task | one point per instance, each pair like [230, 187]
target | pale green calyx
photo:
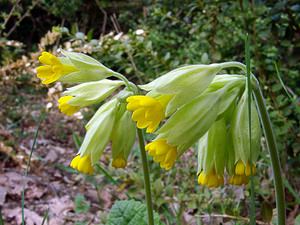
[192, 121]
[92, 92]
[212, 149]
[99, 129]
[123, 134]
[88, 69]
[240, 131]
[183, 83]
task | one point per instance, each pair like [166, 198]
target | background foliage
[144, 39]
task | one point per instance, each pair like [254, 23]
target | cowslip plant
[188, 105]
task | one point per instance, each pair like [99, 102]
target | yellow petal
[44, 71]
[48, 59]
[74, 162]
[240, 168]
[51, 79]
[119, 163]
[131, 106]
[138, 114]
[65, 107]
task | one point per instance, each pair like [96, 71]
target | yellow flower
[148, 112]
[119, 163]
[162, 153]
[238, 180]
[242, 169]
[210, 179]
[82, 164]
[242, 173]
[53, 69]
[65, 107]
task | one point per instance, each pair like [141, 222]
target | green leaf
[130, 212]
[100, 169]
[77, 140]
[297, 220]
[266, 212]
[81, 205]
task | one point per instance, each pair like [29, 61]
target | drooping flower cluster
[199, 104]
[189, 105]
[110, 122]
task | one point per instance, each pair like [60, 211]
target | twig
[42, 116]
[138, 73]
[10, 14]
[115, 24]
[231, 217]
[104, 19]
[21, 19]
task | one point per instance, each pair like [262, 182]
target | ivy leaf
[130, 212]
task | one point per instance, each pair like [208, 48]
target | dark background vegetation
[142, 40]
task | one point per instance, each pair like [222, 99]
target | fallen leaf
[31, 218]
[60, 206]
[35, 192]
[3, 192]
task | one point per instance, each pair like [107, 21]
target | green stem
[273, 150]
[146, 177]
[249, 92]
[128, 84]
[234, 64]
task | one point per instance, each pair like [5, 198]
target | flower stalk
[146, 177]
[273, 150]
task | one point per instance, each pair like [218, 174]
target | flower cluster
[188, 105]
[195, 103]
[110, 122]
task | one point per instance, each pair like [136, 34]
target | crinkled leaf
[130, 212]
